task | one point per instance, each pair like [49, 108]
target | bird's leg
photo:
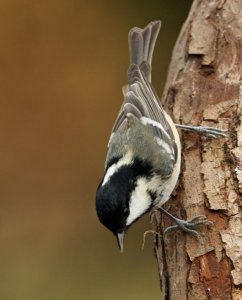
[208, 131]
[186, 226]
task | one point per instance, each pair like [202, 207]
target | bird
[144, 150]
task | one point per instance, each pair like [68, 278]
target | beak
[120, 239]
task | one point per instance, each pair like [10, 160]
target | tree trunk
[203, 88]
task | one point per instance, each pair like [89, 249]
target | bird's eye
[126, 211]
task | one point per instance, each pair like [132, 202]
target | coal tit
[144, 152]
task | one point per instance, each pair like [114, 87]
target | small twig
[145, 234]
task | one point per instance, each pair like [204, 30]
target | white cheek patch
[126, 160]
[140, 201]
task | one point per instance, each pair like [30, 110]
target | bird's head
[123, 196]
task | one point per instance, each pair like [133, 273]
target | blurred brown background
[62, 66]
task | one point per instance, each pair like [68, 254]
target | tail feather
[141, 45]
[136, 46]
[155, 27]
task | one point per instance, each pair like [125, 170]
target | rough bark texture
[204, 88]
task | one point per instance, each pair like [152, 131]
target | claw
[200, 217]
[200, 220]
[211, 131]
[171, 229]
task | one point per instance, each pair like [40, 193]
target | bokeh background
[62, 66]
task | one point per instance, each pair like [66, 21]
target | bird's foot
[189, 226]
[210, 132]
[186, 226]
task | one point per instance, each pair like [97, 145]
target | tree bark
[204, 88]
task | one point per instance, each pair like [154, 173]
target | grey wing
[142, 103]
[140, 99]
